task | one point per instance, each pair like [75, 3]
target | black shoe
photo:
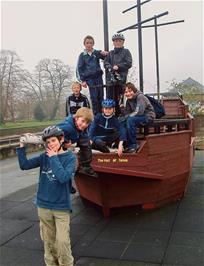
[73, 190]
[87, 170]
[100, 146]
[115, 145]
[130, 150]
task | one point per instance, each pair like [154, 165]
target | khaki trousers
[54, 231]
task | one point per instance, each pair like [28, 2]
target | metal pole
[140, 45]
[144, 21]
[105, 25]
[157, 57]
[161, 24]
[126, 10]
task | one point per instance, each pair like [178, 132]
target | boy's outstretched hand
[84, 84]
[21, 144]
[50, 152]
[115, 67]
[120, 149]
[104, 53]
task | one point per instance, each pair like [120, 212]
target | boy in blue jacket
[106, 130]
[75, 132]
[89, 72]
[53, 202]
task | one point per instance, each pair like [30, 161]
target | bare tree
[21, 91]
[10, 70]
[48, 83]
[56, 78]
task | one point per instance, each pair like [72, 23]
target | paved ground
[172, 235]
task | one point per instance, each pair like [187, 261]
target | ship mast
[105, 25]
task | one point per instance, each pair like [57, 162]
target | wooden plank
[132, 172]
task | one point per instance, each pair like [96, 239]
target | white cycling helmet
[118, 36]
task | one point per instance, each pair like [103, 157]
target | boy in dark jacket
[89, 72]
[57, 168]
[76, 100]
[117, 63]
[106, 130]
[138, 110]
[75, 131]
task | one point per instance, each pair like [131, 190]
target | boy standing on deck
[117, 63]
[89, 72]
[76, 100]
[53, 202]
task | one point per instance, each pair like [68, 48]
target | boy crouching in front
[75, 132]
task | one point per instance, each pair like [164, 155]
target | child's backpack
[158, 107]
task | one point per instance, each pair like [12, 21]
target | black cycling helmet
[118, 36]
[52, 131]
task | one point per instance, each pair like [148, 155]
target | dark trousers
[96, 93]
[85, 153]
[108, 139]
[115, 92]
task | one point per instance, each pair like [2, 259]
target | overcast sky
[55, 29]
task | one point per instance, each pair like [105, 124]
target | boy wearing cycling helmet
[53, 202]
[106, 130]
[117, 63]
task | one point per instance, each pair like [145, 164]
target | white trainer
[29, 138]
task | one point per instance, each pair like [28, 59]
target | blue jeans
[131, 125]
[96, 94]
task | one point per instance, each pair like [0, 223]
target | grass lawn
[31, 123]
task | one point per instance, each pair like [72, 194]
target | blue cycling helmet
[108, 103]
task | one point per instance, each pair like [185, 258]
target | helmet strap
[61, 144]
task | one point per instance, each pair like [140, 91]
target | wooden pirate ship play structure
[159, 172]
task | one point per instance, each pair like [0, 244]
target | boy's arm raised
[24, 163]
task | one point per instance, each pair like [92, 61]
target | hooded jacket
[139, 105]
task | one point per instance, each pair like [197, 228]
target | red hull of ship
[157, 174]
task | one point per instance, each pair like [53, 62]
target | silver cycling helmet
[52, 131]
[118, 36]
